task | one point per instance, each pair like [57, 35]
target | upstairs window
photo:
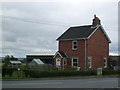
[74, 45]
[105, 62]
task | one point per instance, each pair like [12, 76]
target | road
[63, 83]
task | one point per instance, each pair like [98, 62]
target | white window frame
[105, 62]
[65, 61]
[56, 62]
[73, 62]
[90, 63]
[73, 45]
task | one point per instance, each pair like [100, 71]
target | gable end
[102, 31]
[61, 54]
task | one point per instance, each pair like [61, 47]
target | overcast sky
[32, 28]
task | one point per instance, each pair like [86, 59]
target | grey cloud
[52, 19]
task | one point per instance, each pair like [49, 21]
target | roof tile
[78, 32]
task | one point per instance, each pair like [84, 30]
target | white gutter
[85, 54]
[63, 64]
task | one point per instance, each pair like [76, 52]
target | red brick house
[85, 47]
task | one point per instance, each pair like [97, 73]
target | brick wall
[66, 46]
[98, 48]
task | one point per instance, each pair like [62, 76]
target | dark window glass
[74, 44]
[75, 62]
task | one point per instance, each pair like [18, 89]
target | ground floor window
[65, 62]
[75, 62]
[105, 62]
[89, 62]
[57, 61]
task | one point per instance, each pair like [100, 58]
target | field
[24, 64]
[1, 64]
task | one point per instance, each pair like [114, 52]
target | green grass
[1, 64]
[23, 64]
[0, 76]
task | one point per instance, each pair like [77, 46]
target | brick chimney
[96, 21]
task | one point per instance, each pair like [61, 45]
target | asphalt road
[63, 83]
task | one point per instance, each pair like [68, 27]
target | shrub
[18, 74]
[6, 77]
[110, 72]
[8, 71]
[14, 75]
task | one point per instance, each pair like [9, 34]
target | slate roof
[79, 32]
[47, 59]
[62, 54]
[40, 56]
[15, 62]
[38, 61]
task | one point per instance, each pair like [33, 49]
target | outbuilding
[15, 64]
[37, 64]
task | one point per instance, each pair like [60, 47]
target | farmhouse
[83, 47]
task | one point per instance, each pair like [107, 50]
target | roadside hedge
[56, 73]
[8, 71]
[28, 73]
[110, 72]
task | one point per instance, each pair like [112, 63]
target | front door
[58, 63]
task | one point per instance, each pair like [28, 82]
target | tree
[12, 58]
[9, 58]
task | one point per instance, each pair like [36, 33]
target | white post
[63, 63]
[85, 54]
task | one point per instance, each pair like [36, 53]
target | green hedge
[27, 73]
[18, 75]
[8, 71]
[110, 72]
[56, 73]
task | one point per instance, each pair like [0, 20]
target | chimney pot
[96, 21]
